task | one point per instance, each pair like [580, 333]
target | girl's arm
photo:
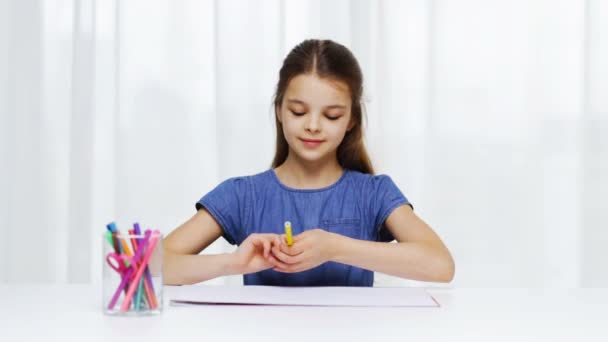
[419, 254]
[181, 262]
[183, 265]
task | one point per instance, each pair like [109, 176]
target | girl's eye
[333, 118]
[297, 113]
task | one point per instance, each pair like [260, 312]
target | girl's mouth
[312, 143]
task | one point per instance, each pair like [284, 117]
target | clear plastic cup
[132, 274]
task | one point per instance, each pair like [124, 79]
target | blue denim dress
[355, 206]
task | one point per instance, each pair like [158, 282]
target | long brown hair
[331, 60]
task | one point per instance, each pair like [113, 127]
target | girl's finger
[276, 263]
[282, 269]
[288, 256]
[254, 240]
[297, 259]
[292, 268]
[266, 248]
[281, 256]
[276, 241]
[299, 237]
[294, 250]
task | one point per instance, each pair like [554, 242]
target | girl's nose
[313, 124]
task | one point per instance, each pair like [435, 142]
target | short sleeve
[386, 197]
[228, 204]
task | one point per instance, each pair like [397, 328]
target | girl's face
[315, 115]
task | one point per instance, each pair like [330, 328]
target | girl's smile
[311, 143]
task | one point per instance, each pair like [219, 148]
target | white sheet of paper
[306, 296]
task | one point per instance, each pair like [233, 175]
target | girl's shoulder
[366, 180]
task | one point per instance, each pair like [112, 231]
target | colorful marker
[289, 235]
[142, 266]
[148, 285]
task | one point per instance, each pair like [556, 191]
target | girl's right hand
[254, 254]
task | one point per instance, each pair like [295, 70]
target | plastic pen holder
[132, 274]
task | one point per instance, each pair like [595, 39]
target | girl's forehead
[315, 91]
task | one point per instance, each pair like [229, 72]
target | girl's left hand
[309, 250]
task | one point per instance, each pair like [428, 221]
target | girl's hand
[310, 249]
[253, 255]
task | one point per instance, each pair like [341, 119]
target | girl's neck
[300, 174]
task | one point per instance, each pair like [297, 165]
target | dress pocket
[350, 227]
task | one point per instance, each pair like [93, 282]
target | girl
[321, 181]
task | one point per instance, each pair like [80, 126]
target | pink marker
[129, 272]
[144, 263]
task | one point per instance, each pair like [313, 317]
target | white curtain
[491, 116]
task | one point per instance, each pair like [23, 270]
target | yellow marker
[125, 246]
[288, 233]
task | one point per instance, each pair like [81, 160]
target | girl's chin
[312, 156]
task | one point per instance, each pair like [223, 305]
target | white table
[60, 312]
